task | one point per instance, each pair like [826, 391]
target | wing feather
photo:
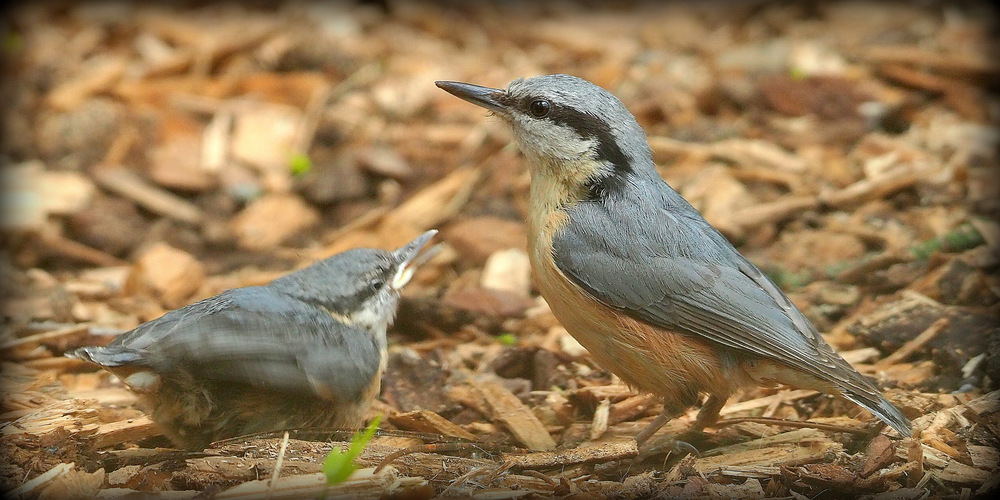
[675, 271]
[257, 337]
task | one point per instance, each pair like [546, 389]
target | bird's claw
[683, 447]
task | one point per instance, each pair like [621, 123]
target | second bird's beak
[409, 262]
[480, 96]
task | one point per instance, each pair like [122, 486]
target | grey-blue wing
[256, 337]
[667, 266]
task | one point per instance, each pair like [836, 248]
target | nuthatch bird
[654, 292]
[306, 350]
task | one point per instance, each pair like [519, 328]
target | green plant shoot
[339, 464]
[507, 339]
[300, 164]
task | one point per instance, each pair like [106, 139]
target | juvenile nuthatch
[654, 292]
[306, 350]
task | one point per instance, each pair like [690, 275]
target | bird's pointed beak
[409, 260]
[480, 96]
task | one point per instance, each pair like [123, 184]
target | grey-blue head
[362, 283]
[570, 128]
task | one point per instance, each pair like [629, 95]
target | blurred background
[156, 155]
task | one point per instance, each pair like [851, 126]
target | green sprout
[300, 164]
[960, 239]
[508, 339]
[339, 464]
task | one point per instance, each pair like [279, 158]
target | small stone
[385, 162]
[509, 271]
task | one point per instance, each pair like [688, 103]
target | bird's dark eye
[540, 108]
[375, 284]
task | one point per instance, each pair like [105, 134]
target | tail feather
[884, 410]
[109, 356]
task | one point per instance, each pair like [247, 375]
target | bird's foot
[683, 447]
[669, 445]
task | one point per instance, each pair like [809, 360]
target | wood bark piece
[170, 274]
[957, 472]
[775, 211]
[32, 341]
[101, 75]
[595, 393]
[800, 437]
[881, 451]
[29, 488]
[124, 431]
[749, 152]
[428, 421]
[790, 448]
[428, 208]
[60, 417]
[362, 484]
[518, 418]
[870, 189]
[915, 343]
[154, 199]
[58, 245]
[958, 64]
[605, 451]
[766, 401]
[73, 484]
[782, 455]
[272, 220]
[630, 408]
[599, 425]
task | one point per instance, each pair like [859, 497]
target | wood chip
[590, 453]
[29, 488]
[881, 451]
[914, 344]
[125, 431]
[430, 422]
[272, 220]
[870, 189]
[957, 472]
[771, 456]
[100, 74]
[600, 423]
[766, 401]
[361, 484]
[154, 199]
[630, 408]
[73, 484]
[51, 336]
[518, 418]
[165, 272]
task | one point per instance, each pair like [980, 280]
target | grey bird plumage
[608, 222]
[306, 349]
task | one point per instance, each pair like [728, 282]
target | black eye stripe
[589, 126]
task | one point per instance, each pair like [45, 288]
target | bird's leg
[708, 415]
[669, 413]
[653, 426]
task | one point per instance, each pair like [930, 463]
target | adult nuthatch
[656, 294]
[306, 350]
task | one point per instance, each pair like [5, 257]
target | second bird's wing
[257, 337]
